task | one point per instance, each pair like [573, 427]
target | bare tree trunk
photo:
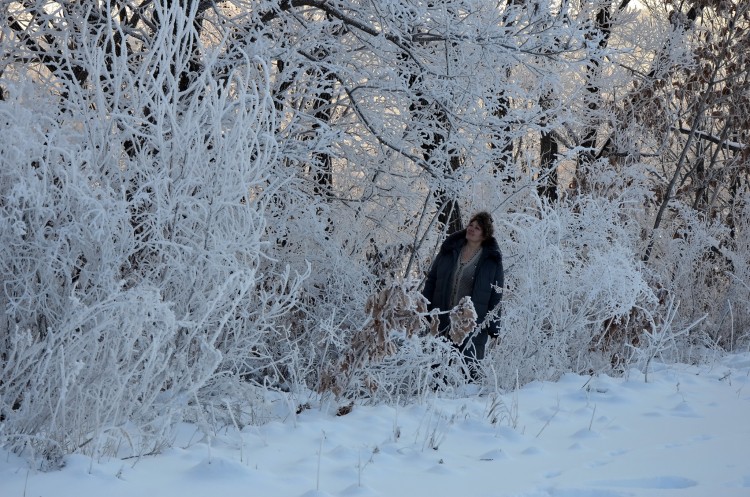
[602, 31]
[547, 185]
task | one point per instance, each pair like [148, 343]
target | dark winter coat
[489, 272]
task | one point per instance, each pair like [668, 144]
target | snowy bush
[571, 274]
[704, 268]
[396, 353]
[734, 321]
[133, 225]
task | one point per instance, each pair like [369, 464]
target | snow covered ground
[685, 432]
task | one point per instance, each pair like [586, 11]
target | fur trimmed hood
[457, 240]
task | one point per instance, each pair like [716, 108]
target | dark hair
[484, 220]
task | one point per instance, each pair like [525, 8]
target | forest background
[203, 201]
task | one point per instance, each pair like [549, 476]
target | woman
[469, 264]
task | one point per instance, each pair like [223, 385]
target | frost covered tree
[705, 181]
[683, 121]
[401, 117]
[658, 125]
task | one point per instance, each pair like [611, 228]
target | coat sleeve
[496, 297]
[429, 285]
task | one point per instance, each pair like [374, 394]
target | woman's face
[474, 232]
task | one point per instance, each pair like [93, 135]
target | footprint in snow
[493, 455]
[684, 410]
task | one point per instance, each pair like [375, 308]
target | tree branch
[723, 143]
